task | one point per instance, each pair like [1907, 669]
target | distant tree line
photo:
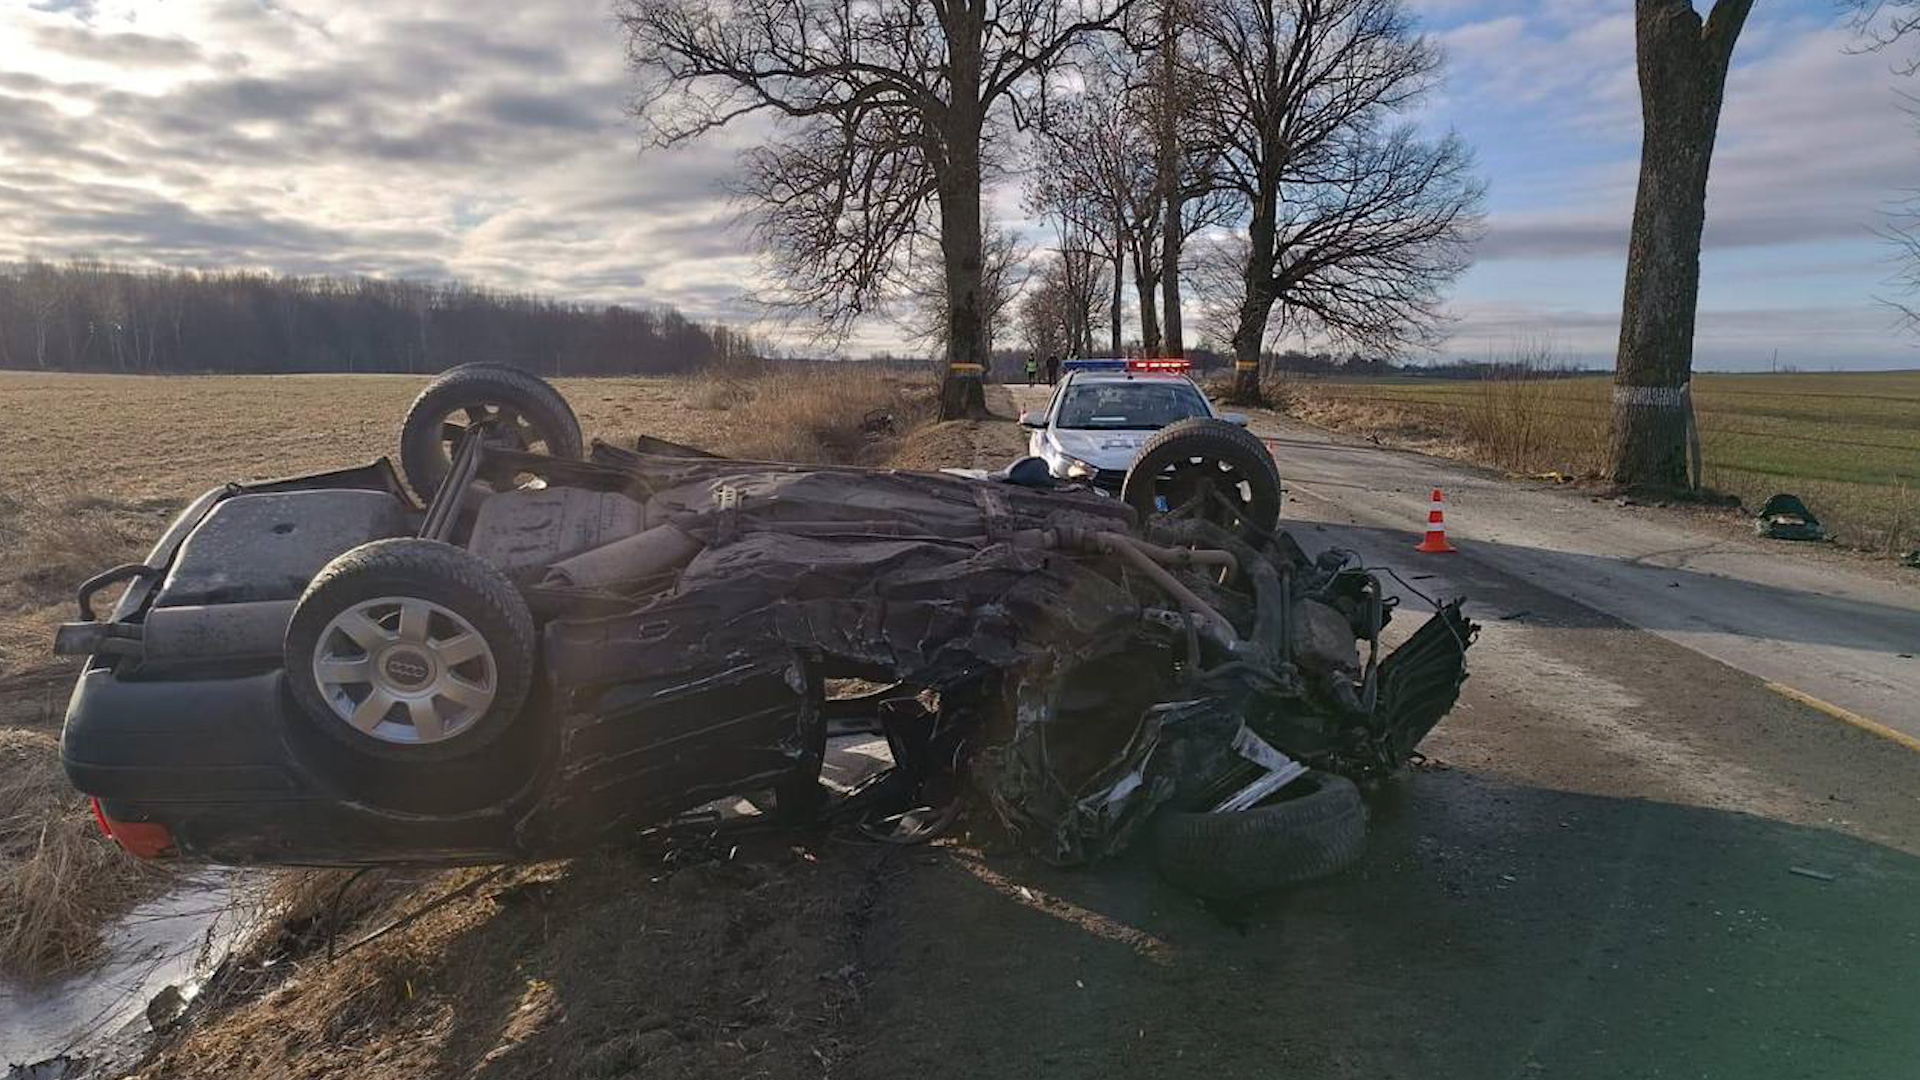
[1522, 364]
[93, 316]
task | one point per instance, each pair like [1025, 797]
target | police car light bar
[1116, 364]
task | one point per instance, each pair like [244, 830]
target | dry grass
[60, 880]
[55, 539]
[1847, 443]
[827, 415]
[1532, 423]
[608, 966]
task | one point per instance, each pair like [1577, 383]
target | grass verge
[840, 414]
[60, 879]
[1847, 443]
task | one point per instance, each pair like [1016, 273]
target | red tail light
[141, 839]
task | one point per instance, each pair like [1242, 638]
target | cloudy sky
[484, 140]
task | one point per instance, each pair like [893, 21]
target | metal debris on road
[1786, 517]
[1817, 875]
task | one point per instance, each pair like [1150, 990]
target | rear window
[1121, 406]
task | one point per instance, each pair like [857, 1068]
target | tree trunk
[1146, 283]
[1250, 332]
[1174, 345]
[1119, 284]
[962, 247]
[1683, 71]
[1256, 299]
[1168, 172]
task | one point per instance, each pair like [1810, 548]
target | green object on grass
[1785, 517]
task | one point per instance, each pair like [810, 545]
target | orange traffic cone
[1436, 541]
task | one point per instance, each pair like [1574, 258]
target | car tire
[443, 639]
[1319, 831]
[1197, 447]
[438, 417]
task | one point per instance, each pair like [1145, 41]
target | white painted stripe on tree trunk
[1657, 397]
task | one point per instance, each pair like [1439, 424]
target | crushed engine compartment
[1078, 673]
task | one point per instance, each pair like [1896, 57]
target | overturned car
[555, 649]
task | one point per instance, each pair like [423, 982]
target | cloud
[125, 47]
[487, 139]
[479, 138]
[1813, 138]
[1726, 338]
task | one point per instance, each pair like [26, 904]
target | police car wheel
[1209, 469]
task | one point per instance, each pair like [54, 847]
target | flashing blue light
[1094, 365]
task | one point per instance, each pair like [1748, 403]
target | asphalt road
[1630, 853]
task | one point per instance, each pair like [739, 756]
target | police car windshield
[1134, 405]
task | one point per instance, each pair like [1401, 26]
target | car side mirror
[1032, 420]
[1237, 419]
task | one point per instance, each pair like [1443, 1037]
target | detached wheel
[1317, 827]
[1210, 469]
[410, 650]
[527, 413]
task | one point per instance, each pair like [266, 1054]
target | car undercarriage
[557, 650]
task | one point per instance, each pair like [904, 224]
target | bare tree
[1043, 318]
[1093, 174]
[1170, 103]
[1902, 232]
[890, 108]
[1683, 63]
[1106, 163]
[42, 291]
[1881, 24]
[1004, 273]
[1184, 165]
[1071, 212]
[1354, 225]
[1078, 270]
[1057, 311]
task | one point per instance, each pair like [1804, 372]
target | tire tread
[1233, 855]
[1205, 435]
[546, 407]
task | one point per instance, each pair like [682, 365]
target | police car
[1104, 411]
